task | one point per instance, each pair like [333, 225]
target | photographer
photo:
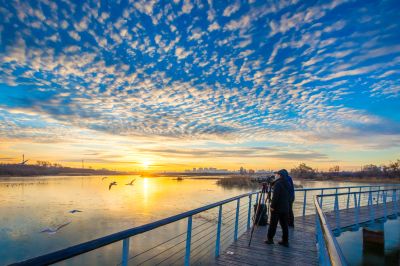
[280, 202]
[284, 174]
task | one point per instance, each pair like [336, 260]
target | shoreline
[211, 177]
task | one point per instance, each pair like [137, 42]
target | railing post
[356, 209]
[249, 212]
[237, 219]
[394, 199]
[337, 215]
[348, 198]
[359, 197]
[125, 251]
[304, 202]
[188, 241]
[384, 204]
[322, 196]
[370, 206]
[218, 239]
[377, 199]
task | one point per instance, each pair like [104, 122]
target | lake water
[29, 205]
[351, 243]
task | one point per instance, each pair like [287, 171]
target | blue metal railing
[329, 252]
[221, 224]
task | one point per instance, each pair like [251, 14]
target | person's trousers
[291, 216]
[282, 218]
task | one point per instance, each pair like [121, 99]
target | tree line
[391, 170]
[48, 168]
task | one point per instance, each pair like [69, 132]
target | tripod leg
[255, 220]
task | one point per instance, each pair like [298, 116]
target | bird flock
[55, 229]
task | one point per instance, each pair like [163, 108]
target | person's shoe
[282, 243]
[269, 241]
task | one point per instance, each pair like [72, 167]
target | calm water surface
[29, 205]
[351, 243]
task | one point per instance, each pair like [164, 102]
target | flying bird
[52, 231]
[131, 183]
[74, 211]
[104, 178]
[112, 184]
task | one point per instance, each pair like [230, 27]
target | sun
[146, 164]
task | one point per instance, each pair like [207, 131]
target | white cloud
[229, 10]
[214, 26]
[242, 23]
[187, 6]
[74, 35]
[181, 53]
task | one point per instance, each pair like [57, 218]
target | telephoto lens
[270, 179]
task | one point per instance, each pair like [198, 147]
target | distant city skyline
[159, 86]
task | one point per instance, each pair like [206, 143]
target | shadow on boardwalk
[302, 250]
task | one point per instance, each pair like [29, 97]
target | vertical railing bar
[249, 213]
[384, 204]
[218, 239]
[395, 201]
[370, 204]
[304, 202]
[237, 219]
[359, 197]
[322, 196]
[188, 241]
[356, 209]
[337, 215]
[377, 199]
[125, 251]
[348, 198]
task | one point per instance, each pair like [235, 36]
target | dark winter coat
[281, 196]
[291, 187]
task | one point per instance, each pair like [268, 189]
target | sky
[171, 85]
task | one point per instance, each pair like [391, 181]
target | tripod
[265, 197]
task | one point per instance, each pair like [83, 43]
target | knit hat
[282, 173]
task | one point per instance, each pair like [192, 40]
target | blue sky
[179, 83]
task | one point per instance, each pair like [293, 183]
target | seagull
[74, 211]
[112, 184]
[131, 183]
[104, 178]
[52, 231]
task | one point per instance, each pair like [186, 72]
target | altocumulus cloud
[286, 71]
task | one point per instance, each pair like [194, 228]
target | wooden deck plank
[302, 250]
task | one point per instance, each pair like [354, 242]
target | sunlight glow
[146, 164]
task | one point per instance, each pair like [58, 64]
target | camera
[270, 179]
[267, 179]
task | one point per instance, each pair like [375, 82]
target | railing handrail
[332, 188]
[85, 247]
[355, 192]
[334, 252]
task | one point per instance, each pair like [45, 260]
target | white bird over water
[52, 231]
[112, 184]
[74, 211]
[131, 183]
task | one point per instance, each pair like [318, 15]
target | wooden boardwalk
[302, 250]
